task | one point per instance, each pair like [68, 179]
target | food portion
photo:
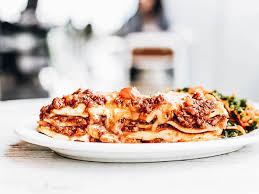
[183, 115]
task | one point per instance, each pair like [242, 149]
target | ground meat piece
[87, 97]
[80, 131]
[91, 139]
[88, 91]
[102, 121]
[147, 105]
[118, 100]
[131, 129]
[45, 111]
[141, 105]
[195, 111]
[70, 130]
[129, 125]
[58, 103]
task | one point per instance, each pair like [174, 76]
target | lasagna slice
[129, 117]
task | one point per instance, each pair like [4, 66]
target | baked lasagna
[126, 116]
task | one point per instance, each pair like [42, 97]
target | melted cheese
[175, 98]
[69, 111]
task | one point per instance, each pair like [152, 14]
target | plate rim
[29, 134]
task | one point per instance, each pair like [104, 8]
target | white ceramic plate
[150, 152]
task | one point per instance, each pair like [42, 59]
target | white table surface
[27, 168]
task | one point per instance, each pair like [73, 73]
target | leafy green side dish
[237, 107]
[230, 133]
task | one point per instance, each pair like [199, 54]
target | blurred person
[149, 17]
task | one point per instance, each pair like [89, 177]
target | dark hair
[157, 8]
[158, 11]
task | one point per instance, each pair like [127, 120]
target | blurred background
[50, 48]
